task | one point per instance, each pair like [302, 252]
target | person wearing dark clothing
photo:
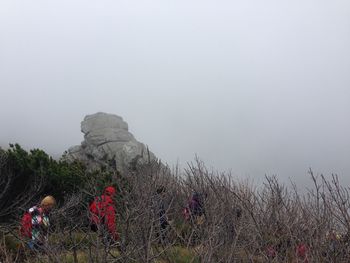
[160, 208]
[196, 205]
[194, 211]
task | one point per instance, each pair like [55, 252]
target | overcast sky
[255, 87]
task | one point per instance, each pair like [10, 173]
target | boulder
[108, 142]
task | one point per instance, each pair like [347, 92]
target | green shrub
[27, 176]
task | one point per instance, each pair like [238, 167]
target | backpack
[196, 207]
[26, 225]
[99, 209]
[102, 212]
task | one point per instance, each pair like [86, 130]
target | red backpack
[26, 225]
[100, 208]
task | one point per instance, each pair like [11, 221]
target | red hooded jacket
[103, 211]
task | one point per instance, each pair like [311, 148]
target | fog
[252, 87]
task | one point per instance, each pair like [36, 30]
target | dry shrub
[242, 222]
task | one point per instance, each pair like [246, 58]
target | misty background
[252, 87]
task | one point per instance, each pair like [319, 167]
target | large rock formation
[107, 142]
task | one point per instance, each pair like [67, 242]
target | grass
[175, 254]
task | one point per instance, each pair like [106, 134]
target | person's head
[196, 196]
[48, 203]
[160, 190]
[110, 191]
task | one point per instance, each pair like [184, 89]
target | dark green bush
[27, 176]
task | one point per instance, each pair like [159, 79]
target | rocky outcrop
[108, 142]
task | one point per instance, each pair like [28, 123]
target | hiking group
[35, 223]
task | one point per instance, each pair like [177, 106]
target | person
[194, 211]
[229, 224]
[333, 241]
[35, 223]
[159, 209]
[103, 215]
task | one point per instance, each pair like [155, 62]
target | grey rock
[107, 142]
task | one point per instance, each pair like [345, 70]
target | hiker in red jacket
[103, 214]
